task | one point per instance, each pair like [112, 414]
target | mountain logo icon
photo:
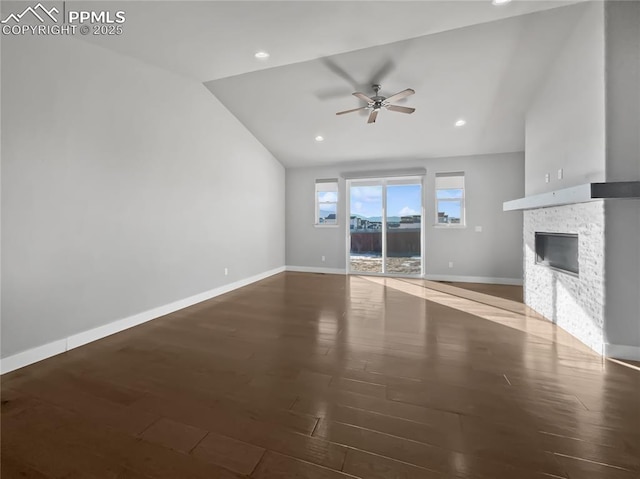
[38, 11]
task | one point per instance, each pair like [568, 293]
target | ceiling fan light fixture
[319, 138]
[461, 122]
[262, 55]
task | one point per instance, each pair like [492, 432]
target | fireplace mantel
[576, 194]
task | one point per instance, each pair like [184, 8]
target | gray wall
[586, 119]
[124, 187]
[490, 180]
[565, 128]
[622, 246]
[565, 124]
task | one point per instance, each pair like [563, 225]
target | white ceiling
[464, 59]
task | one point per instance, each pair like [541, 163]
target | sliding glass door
[404, 227]
[366, 227]
[385, 233]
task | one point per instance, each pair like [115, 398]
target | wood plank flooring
[327, 376]
[506, 291]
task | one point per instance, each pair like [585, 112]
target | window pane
[449, 212]
[404, 220]
[326, 202]
[448, 193]
[450, 198]
[366, 228]
[327, 215]
[328, 197]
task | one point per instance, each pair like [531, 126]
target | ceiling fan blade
[401, 109]
[373, 116]
[381, 73]
[400, 94]
[349, 111]
[341, 72]
[362, 96]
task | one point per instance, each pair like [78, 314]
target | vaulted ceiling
[464, 59]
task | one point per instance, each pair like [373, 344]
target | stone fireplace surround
[580, 304]
[575, 303]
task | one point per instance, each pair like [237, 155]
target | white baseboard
[45, 351]
[311, 269]
[622, 351]
[473, 279]
[432, 277]
[33, 355]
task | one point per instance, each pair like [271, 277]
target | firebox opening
[558, 251]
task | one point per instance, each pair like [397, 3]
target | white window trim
[462, 200]
[317, 204]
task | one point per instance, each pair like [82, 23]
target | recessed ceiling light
[261, 55]
[500, 2]
[319, 138]
[461, 122]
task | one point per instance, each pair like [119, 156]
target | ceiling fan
[377, 102]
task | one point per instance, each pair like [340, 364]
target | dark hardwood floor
[328, 376]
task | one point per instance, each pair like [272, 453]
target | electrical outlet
[226, 271]
[547, 177]
[560, 173]
[323, 258]
[450, 264]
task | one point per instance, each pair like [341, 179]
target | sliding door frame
[384, 182]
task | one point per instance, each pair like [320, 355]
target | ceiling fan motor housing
[377, 99]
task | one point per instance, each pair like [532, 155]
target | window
[450, 199]
[327, 202]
